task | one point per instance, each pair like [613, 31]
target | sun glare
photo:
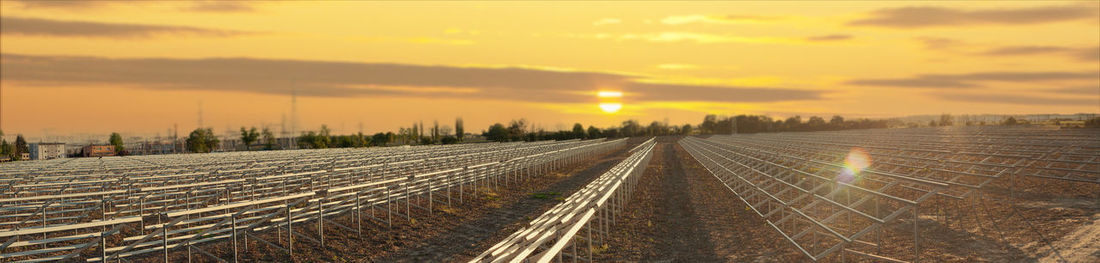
[611, 107]
[609, 94]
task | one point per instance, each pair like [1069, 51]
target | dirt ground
[449, 234]
[681, 213]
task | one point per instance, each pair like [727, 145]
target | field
[885, 195]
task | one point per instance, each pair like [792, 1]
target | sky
[144, 68]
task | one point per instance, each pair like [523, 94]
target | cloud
[1088, 54]
[917, 17]
[1017, 100]
[345, 79]
[67, 5]
[1080, 90]
[713, 19]
[221, 7]
[675, 66]
[939, 43]
[972, 80]
[834, 37]
[701, 38]
[606, 21]
[61, 28]
[1024, 50]
[422, 40]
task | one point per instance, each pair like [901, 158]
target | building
[46, 150]
[99, 150]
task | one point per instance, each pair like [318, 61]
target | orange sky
[97, 66]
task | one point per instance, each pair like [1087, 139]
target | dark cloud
[915, 17]
[61, 28]
[1024, 50]
[1088, 54]
[68, 5]
[344, 79]
[221, 7]
[1080, 90]
[834, 37]
[918, 82]
[1018, 100]
[971, 80]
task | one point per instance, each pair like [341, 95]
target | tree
[116, 140]
[20, 147]
[1093, 123]
[686, 130]
[794, 123]
[379, 139]
[578, 131]
[1010, 121]
[630, 128]
[947, 120]
[709, 125]
[435, 131]
[498, 133]
[594, 132]
[202, 141]
[5, 148]
[815, 123]
[449, 140]
[268, 139]
[460, 129]
[249, 136]
[517, 129]
[837, 122]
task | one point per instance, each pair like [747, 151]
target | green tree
[268, 138]
[116, 140]
[202, 141]
[1010, 121]
[686, 130]
[630, 128]
[498, 133]
[248, 137]
[20, 147]
[578, 131]
[594, 132]
[460, 129]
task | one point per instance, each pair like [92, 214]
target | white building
[46, 150]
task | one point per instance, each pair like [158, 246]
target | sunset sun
[610, 101]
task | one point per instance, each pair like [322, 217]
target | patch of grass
[546, 195]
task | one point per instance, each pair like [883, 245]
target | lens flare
[857, 160]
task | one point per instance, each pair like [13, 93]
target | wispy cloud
[1079, 90]
[675, 66]
[1016, 99]
[971, 80]
[702, 38]
[918, 17]
[62, 28]
[344, 79]
[713, 19]
[1024, 50]
[833, 37]
[67, 5]
[422, 40]
[221, 7]
[607, 21]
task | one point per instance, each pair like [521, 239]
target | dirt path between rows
[681, 213]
